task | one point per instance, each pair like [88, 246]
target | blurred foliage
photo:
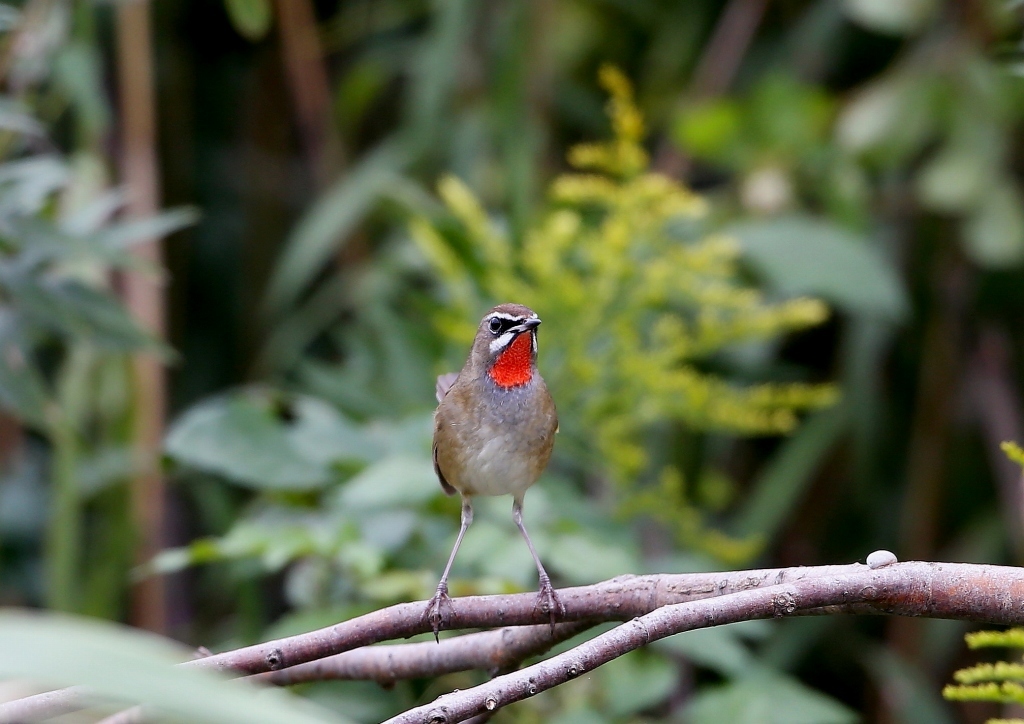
[124, 666]
[635, 300]
[866, 154]
[65, 338]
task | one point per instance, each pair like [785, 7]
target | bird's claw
[548, 600]
[439, 611]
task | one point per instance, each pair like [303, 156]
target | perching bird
[494, 430]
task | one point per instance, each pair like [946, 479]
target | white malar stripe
[534, 343]
[501, 341]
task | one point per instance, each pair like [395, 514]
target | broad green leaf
[251, 18]
[955, 180]
[327, 225]
[26, 185]
[765, 698]
[395, 481]
[244, 438]
[783, 481]
[914, 698]
[131, 666]
[896, 17]
[718, 648]
[636, 681]
[800, 255]
[994, 235]
[582, 558]
[15, 117]
[711, 130]
[78, 70]
[77, 310]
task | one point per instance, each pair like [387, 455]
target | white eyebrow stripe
[501, 341]
[506, 317]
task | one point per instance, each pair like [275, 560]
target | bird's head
[505, 347]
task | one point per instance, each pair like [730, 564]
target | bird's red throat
[514, 366]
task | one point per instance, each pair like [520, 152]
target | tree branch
[977, 593]
[618, 599]
[489, 651]
[665, 604]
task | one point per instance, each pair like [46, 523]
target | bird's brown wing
[445, 485]
[444, 383]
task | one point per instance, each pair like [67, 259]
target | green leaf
[134, 667]
[327, 225]
[994, 235]
[26, 185]
[800, 255]
[711, 130]
[78, 70]
[128, 233]
[77, 310]
[915, 699]
[247, 438]
[635, 682]
[22, 388]
[955, 180]
[251, 18]
[895, 17]
[718, 648]
[14, 116]
[766, 698]
[778, 489]
[583, 558]
[397, 481]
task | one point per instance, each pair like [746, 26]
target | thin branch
[489, 651]
[725, 50]
[976, 593]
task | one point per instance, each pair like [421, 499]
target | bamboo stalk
[144, 296]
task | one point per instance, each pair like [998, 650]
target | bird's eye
[495, 325]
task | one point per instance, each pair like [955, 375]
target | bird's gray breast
[504, 443]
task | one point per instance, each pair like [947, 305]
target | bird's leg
[435, 613]
[548, 598]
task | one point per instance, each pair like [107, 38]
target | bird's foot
[547, 598]
[439, 610]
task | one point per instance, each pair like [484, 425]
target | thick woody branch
[976, 593]
[989, 594]
[618, 599]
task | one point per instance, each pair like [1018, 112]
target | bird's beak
[526, 326]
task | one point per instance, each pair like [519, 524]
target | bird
[494, 430]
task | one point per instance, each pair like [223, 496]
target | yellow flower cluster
[1002, 681]
[634, 304]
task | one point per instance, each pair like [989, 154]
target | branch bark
[911, 589]
[493, 651]
[660, 605]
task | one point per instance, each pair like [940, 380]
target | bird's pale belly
[499, 466]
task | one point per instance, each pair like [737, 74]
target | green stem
[64, 534]
[63, 537]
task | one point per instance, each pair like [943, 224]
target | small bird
[494, 430]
